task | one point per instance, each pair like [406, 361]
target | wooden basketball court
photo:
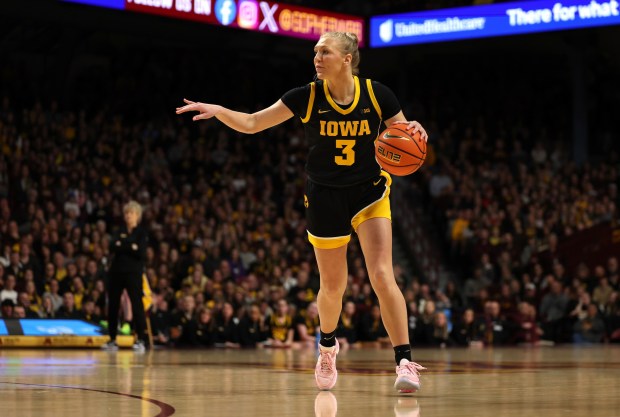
[551, 381]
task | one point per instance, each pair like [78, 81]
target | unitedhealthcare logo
[225, 11]
[386, 30]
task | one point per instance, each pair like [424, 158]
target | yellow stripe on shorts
[328, 242]
[379, 208]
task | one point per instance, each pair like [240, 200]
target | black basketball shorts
[333, 213]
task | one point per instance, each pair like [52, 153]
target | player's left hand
[414, 127]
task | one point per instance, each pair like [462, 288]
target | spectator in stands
[457, 302]
[60, 271]
[7, 307]
[530, 294]
[508, 300]
[227, 328]
[203, 332]
[441, 333]
[30, 262]
[599, 273]
[412, 319]
[31, 292]
[474, 284]
[553, 311]
[591, 328]
[8, 292]
[67, 310]
[238, 270]
[301, 294]
[307, 325]
[183, 321]
[47, 310]
[348, 326]
[78, 290]
[93, 273]
[529, 331]
[602, 292]
[98, 294]
[24, 301]
[49, 275]
[281, 329]
[492, 329]
[372, 329]
[197, 279]
[425, 325]
[165, 290]
[480, 301]
[19, 312]
[15, 267]
[88, 311]
[578, 304]
[161, 320]
[463, 331]
[252, 328]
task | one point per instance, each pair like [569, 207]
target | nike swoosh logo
[323, 111]
[386, 135]
[377, 182]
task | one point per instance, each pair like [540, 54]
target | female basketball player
[345, 190]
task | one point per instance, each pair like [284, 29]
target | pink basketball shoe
[325, 372]
[408, 379]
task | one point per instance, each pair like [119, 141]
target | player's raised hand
[205, 111]
[414, 127]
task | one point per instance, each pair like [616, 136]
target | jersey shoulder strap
[310, 103]
[373, 98]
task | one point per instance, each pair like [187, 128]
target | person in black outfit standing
[128, 246]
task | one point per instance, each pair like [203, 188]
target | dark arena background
[506, 241]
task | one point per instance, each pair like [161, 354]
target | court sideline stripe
[165, 409]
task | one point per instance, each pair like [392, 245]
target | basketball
[398, 152]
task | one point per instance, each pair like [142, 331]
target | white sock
[403, 362]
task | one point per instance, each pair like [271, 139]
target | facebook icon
[225, 11]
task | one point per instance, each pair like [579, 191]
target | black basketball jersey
[341, 138]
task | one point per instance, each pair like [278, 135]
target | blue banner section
[58, 327]
[492, 20]
[112, 4]
[3, 330]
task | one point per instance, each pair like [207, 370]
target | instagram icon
[248, 14]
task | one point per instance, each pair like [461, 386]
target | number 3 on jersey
[348, 153]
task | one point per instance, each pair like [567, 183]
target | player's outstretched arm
[242, 122]
[413, 126]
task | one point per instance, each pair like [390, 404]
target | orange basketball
[398, 152]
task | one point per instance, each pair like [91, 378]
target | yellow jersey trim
[335, 105]
[373, 98]
[379, 208]
[310, 104]
[328, 242]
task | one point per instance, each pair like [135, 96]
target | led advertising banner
[262, 16]
[492, 20]
[58, 327]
